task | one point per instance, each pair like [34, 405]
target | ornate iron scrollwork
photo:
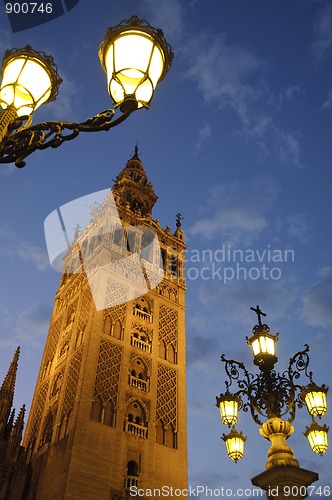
[22, 140]
[269, 394]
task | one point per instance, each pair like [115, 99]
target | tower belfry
[109, 409]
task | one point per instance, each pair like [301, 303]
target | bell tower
[108, 415]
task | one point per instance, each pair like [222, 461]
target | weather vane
[178, 219]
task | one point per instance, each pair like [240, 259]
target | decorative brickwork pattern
[37, 412]
[168, 291]
[53, 337]
[84, 309]
[70, 318]
[72, 382]
[108, 372]
[166, 396]
[168, 326]
[69, 289]
[116, 292]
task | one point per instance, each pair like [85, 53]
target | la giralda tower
[108, 416]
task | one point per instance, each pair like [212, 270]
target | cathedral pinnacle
[8, 385]
[7, 391]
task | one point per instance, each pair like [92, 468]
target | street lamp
[134, 55]
[273, 395]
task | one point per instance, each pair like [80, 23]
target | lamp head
[234, 444]
[263, 347]
[228, 405]
[135, 57]
[315, 398]
[29, 79]
[317, 437]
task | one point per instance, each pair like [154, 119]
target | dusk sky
[238, 140]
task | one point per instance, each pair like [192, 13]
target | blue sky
[238, 139]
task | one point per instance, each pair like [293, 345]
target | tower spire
[132, 188]
[7, 390]
[135, 157]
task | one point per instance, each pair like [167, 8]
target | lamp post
[135, 57]
[273, 395]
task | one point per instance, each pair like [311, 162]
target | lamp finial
[259, 313]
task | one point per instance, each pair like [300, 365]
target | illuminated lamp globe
[263, 347]
[317, 437]
[234, 444]
[29, 79]
[135, 57]
[228, 405]
[315, 399]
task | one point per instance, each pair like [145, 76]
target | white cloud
[7, 169]
[222, 71]
[36, 255]
[65, 104]
[200, 350]
[234, 212]
[234, 78]
[203, 135]
[288, 146]
[317, 302]
[170, 15]
[15, 246]
[299, 226]
[321, 47]
[292, 91]
[33, 324]
[328, 101]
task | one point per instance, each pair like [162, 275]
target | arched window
[132, 468]
[131, 238]
[138, 374]
[96, 409]
[166, 435]
[136, 420]
[160, 432]
[132, 474]
[148, 244]
[102, 412]
[117, 330]
[118, 235]
[171, 353]
[162, 349]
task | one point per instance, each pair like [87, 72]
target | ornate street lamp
[272, 395]
[135, 57]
